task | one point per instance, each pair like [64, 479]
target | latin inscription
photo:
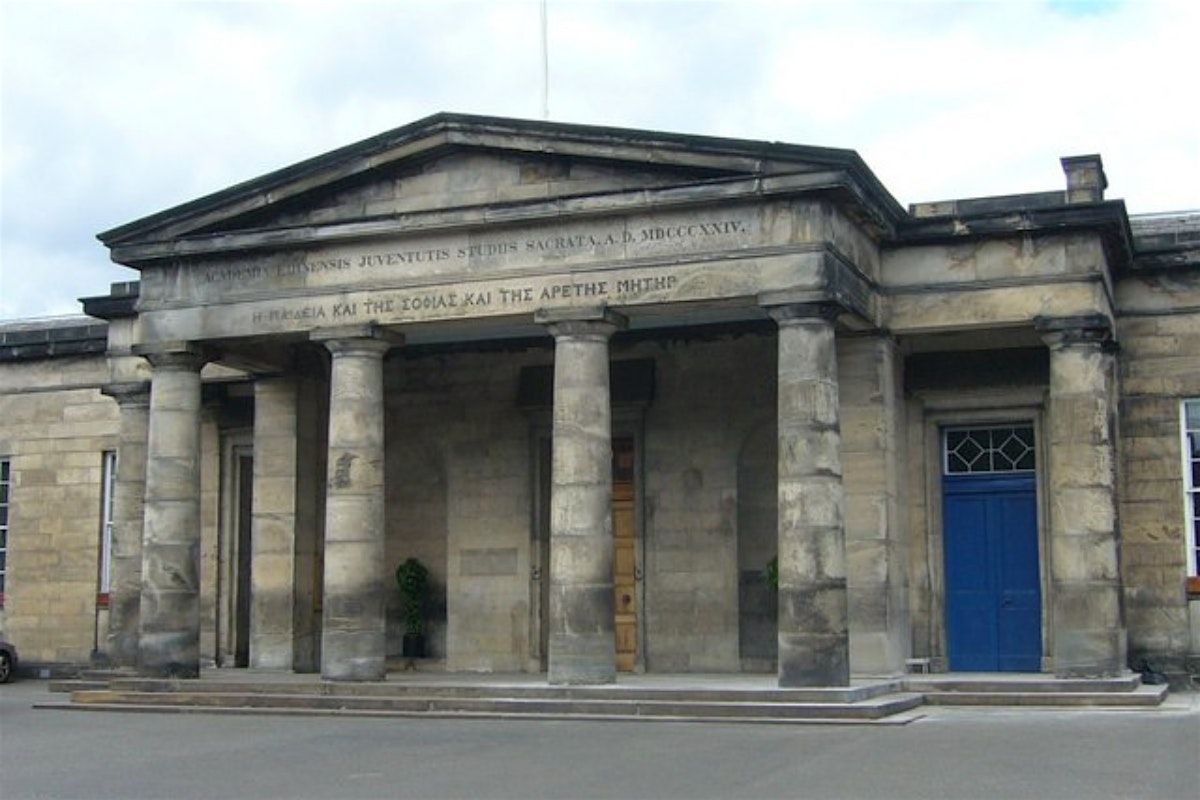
[538, 247]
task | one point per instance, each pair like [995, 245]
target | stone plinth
[354, 634]
[125, 556]
[813, 634]
[273, 542]
[1089, 629]
[581, 643]
[169, 616]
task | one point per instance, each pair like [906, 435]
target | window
[1190, 426]
[108, 483]
[5, 484]
[992, 449]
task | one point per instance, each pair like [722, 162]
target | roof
[445, 131]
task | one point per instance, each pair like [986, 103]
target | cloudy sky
[111, 111]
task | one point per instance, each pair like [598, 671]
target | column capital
[174, 355]
[366, 339]
[1087, 330]
[588, 321]
[134, 394]
[804, 313]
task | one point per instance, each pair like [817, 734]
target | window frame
[1191, 487]
[108, 485]
[6, 476]
[944, 443]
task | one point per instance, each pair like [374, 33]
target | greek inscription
[385, 305]
[564, 291]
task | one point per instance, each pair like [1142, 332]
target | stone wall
[454, 430]
[55, 438]
[1159, 367]
[711, 397]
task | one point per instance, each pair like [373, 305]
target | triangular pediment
[459, 178]
[449, 162]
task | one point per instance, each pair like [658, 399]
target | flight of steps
[1125, 691]
[891, 701]
[873, 703]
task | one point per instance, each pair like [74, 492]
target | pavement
[948, 753]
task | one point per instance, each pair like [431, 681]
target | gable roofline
[444, 130]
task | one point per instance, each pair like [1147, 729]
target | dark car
[8, 662]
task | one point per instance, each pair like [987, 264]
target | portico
[387, 311]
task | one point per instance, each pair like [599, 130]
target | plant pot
[413, 645]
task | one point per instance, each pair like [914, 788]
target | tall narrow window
[108, 482]
[1190, 419]
[5, 484]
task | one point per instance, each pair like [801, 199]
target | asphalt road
[951, 753]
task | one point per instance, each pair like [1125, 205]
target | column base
[353, 657]
[1089, 654]
[168, 655]
[813, 660]
[582, 660]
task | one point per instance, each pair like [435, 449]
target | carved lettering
[619, 242]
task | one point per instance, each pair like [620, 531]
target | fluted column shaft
[813, 629]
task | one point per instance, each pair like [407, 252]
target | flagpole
[545, 67]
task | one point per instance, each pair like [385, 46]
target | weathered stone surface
[581, 635]
[353, 643]
[273, 541]
[169, 619]
[1084, 560]
[813, 624]
[125, 564]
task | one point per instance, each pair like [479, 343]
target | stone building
[606, 384]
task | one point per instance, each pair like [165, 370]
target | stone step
[1022, 684]
[899, 718]
[63, 685]
[1141, 697]
[416, 705]
[850, 694]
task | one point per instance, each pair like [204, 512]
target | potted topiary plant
[413, 579]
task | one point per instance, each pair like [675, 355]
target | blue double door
[993, 587]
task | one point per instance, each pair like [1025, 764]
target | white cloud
[111, 111]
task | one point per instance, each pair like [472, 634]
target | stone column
[273, 539]
[813, 633]
[1085, 577]
[169, 619]
[125, 557]
[353, 637]
[582, 648]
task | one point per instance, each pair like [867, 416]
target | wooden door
[624, 518]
